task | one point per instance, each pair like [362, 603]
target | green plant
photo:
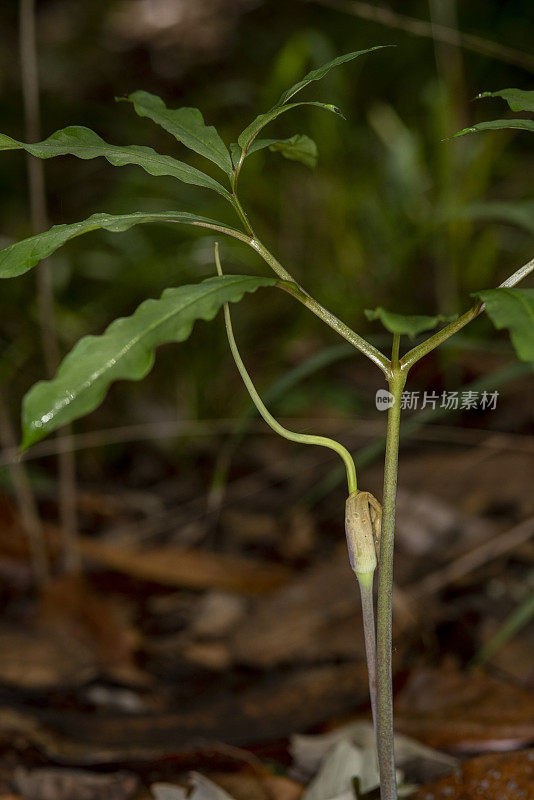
[126, 349]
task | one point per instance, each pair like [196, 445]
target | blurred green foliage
[393, 215]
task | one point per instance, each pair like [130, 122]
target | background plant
[126, 348]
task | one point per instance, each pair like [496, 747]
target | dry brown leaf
[503, 776]
[452, 710]
[40, 659]
[214, 656]
[193, 569]
[241, 785]
[258, 785]
[269, 709]
[71, 605]
[315, 618]
[68, 784]
[282, 788]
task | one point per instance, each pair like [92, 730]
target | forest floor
[224, 637]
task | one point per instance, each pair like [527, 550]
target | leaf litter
[222, 675]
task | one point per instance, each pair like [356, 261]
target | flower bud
[363, 514]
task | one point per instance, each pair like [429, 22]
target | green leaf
[513, 309]
[235, 152]
[297, 148]
[517, 99]
[22, 256]
[186, 125]
[320, 72]
[497, 125]
[247, 136]
[85, 143]
[125, 351]
[406, 324]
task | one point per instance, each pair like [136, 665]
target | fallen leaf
[201, 789]
[281, 788]
[338, 769]
[309, 751]
[243, 784]
[470, 712]
[168, 791]
[39, 659]
[66, 784]
[268, 709]
[213, 656]
[502, 776]
[70, 604]
[315, 618]
[193, 569]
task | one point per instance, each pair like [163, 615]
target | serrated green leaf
[22, 256]
[517, 99]
[247, 136]
[85, 143]
[320, 72]
[406, 324]
[186, 125]
[513, 309]
[125, 351]
[497, 125]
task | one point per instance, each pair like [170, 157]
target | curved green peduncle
[293, 436]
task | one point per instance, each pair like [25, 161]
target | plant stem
[39, 218]
[295, 290]
[441, 336]
[242, 214]
[384, 700]
[361, 344]
[365, 582]
[518, 275]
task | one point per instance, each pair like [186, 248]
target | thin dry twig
[39, 219]
[427, 30]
